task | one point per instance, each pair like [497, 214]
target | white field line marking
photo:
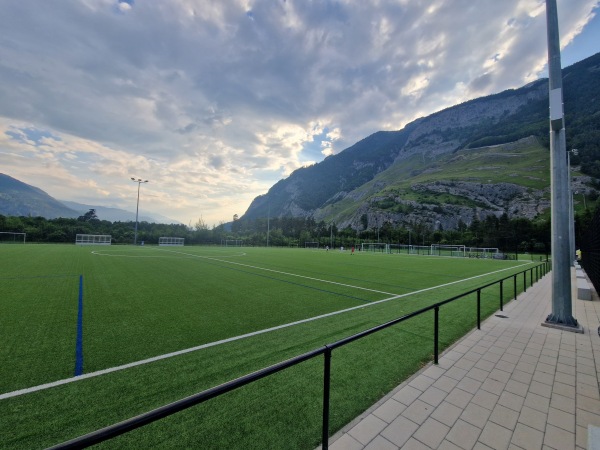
[231, 339]
[282, 273]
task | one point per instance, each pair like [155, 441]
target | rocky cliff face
[486, 156]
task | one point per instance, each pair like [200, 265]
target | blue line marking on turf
[79, 343]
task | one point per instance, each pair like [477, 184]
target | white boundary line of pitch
[44, 386]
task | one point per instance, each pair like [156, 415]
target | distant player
[352, 252]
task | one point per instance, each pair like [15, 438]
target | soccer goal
[232, 242]
[483, 252]
[308, 244]
[170, 241]
[8, 237]
[374, 247]
[448, 250]
[93, 239]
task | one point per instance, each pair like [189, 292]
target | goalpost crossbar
[93, 239]
[10, 236]
[170, 241]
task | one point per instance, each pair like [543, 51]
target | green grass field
[146, 302]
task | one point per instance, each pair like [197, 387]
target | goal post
[93, 239]
[232, 242]
[170, 241]
[311, 244]
[9, 237]
[448, 250]
[374, 247]
[483, 252]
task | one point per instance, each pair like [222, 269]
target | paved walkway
[511, 385]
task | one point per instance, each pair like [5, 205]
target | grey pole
[571, 209]
[139, 181]
[561, 315]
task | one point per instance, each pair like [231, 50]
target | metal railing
[95, 437]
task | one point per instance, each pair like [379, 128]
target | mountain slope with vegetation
[485, 156]
[20, 199]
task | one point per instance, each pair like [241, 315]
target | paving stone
[367, 429]
[533, 418]
[563, 403]
[433, 396]
[407, 395]
[445, 383]
[558, 438]
[447, 413]
[381, 443]
[447, 445]
[527, 437]
[495, 436]
[389, 410]
[589, 404]
[476, 415]
[459, 398]
[516, 387]
[493, 386]
[346, 442]
[545, 390]
[538, 402]
[463, 434]
[485, 399]
[561, 419]
[418, 411]
[421, 383]
[563, 389]
[432, 433]
[504, 416]
[469, 385]
[399, 431]
[512, 401]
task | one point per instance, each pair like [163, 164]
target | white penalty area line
[98, 373]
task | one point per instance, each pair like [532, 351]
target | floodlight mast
[561, 316]
[139, 181]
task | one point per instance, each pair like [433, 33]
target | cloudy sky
[214, 101]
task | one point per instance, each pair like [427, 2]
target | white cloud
[213, 102]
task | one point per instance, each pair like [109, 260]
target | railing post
[436, 333]
[501, 295]
[531, 277]
[525, 281]
[479, 309]
[326, 395]
[515, 285]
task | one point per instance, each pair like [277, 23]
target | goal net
[482, 252]
[8, 237]
[374, 247]
[170, 241]
[232, 242]
[308, 244]
[93, 239]
[448, 250]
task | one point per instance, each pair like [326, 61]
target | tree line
[509, 235]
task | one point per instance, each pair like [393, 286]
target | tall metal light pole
[561, 316]
[139, 181]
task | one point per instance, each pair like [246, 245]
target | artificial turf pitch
[132, 304]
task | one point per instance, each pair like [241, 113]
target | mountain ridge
[509, 118]
[21, 199]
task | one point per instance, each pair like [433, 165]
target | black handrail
[133, 423]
